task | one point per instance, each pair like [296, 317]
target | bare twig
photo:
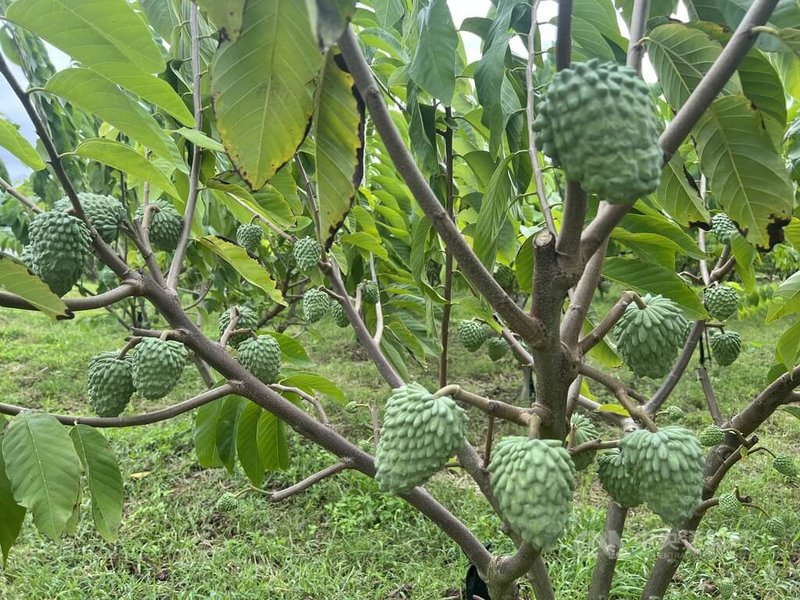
[226, 335]
[496, 408]
[312, 400]
[447, 292]
[615, 314]
[711, 399]
[593, 445]
[12, 191]
[621, 393]
[302, 486]
[663, 392]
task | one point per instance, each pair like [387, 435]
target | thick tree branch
[563, 34]
[495, 408]
[127, 290]
[608, 552]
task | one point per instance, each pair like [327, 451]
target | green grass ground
[343, 539]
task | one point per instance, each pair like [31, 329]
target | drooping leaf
[433, 66]
[13, 513]
[249, 268]
[263, 87]
[746, 172]
[789, 293]
[494, 211]
[199, 138]
[126, 159]
[788, 346]
[762, 85]
[677, 196]
[653, 279]
[13, 141]
[338, 147]
[247, 443]
[103, 479]
[225, 430]
[17, 279]
[745, 255]
[44, 470]
[268, 204]
[271, 438]
[205, 434]
[227, 14]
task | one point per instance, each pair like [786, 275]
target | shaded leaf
[271, 438]
[433, 66]
[205, 434]
[225, 430]
[788, 346]
[329, 19]
[247, 443]
[311, 382]
[13, 513]
[678, 197]
[493, 213]
[789, 293]
[226, 14]
[291, 350]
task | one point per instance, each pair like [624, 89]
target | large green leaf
[388, 11]
[44, 470]
[94, 93]
[602, 15]
[589, 41]
[433, 67]
[309, 382]
[746, 173]
[107, 31]
[227, 14]
[126, 159]
[681, 56]
[788, 293]
[367, 242]
[762, 85]
[788, 346]
[677, 196]
[653, 279]
[271, 439]
[247, 443]
[225, 430]
[338, 147]
[494, 212]
[745, 255]
[263, 87]
[249, 268]
[205, 434]
[102, 477]
[268, 203]
[17, 279]
[659, 225]
[13, 513]
[13, 141]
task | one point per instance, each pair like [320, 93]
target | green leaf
[249, 268]
[227, 14]
[310, 382]
[292, 351]
[198, 138]
[44, 470]
[590, 41]
[225, 430]
[745, 255]
[789, 36]
[788, 346]
[103, 479]
[602, 15]
[93, 33]
[17, 279]
[247, 443]
[263, 87]
[244, 206]
[602, 352]
[13, 513]
[271, 438]
[338, 147]
[126, 159]
[746, 173]
[616, 409]
[365, 241]
[13, 141]
[94, 93]
[388, 11]
[653, 279]
[681, 56]
[792, 410]
[678, 197]
[762, 85]
[789, 292]
[494, 212]
[660, 225]
[205, 434]
[433, 67]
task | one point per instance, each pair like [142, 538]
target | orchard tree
[276, 160]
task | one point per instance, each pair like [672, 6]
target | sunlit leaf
[13, 141]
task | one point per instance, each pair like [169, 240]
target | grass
[342, 538]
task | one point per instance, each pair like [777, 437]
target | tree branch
[711, 399]
[663, 392]
[128, 289]
[563, 34]
[12, 191]
[495, 408]
[608, 552]
[306, 483]
[621, 393]
[312, 400]
[606, 325]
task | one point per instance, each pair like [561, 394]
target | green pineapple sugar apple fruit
[316, 304]
[372, 293]
[420, 433]
[585, 431]
[649, 339]
[248, 319]
[109, 383]
[784, 464]
[775, 526]
[723, 227]
[729, 505]
[597, 121]
[59, 246]
[721, 301]
[339, 316]
[157, 367]
[725, 347]
[227, 502]
[711, 435]
[307, 253]
[166, 225]
[248, 236]
[668, 464]
[105, 213]
[261, 356]
[497, 348]
[674, 413]
[533, 481]
[472, 334]
[726, 588]
[618, 479]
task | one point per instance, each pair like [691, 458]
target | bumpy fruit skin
[723, 227]
[227, 502]
[472, 334]
[105, 213]
[668, 466]
[597, 121]
[784, 464]
[585, 431]
[166, 224]
[339, 316]
[262, 357]
[618, 480]
[59, 245]
[674, 413]
[775, 526]
[711, 436]
[725, 347]
[726, 588]
[248, 236]
[721, 301]
[497, 348]
[649, 339]
[307, 253]
[420, 433]
[316, 304]
[533, 481]
[728, 505]
[248, 319]
[109, 384]
[372, 293]
[157, 367]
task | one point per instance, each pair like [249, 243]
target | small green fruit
[729, 505]
[775, 527]
[726, 588]
[105, 213]
[262, 357]
[784, 464]
[497, 348]
[585, 431]
[157, 367]
[166, 225]
[248, 236]
[316, 304]
[59, 246]
[721, 301]
[372, 293]
[339, 316]
[307, 253]
[711, 436]
[227, 502]
[674, 413]
[472, 334]
[725, 347]
[109, 383]
[723, 227]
